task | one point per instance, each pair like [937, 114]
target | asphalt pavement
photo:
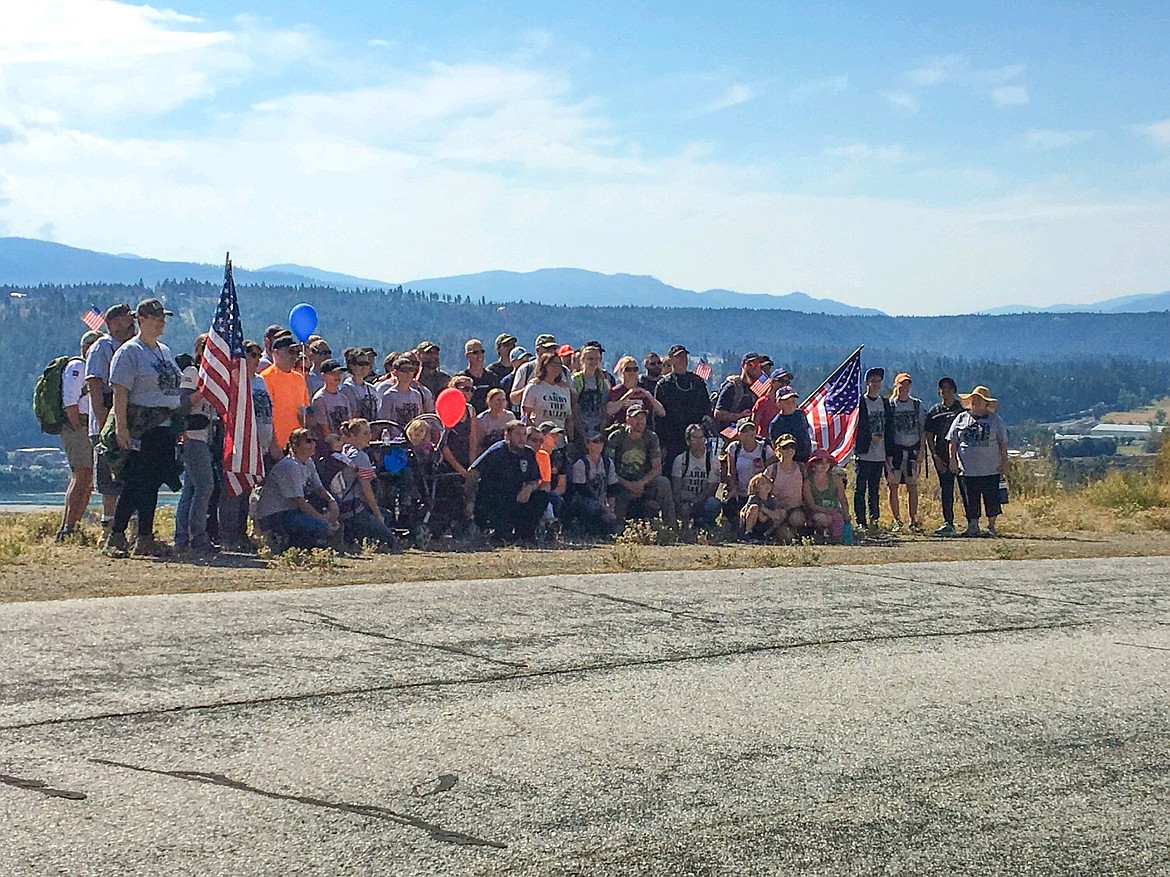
[979, 718]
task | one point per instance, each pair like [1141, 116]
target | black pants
[507, 517]
[144, 473]
[980, 487]
[868, 484]
[946, 485]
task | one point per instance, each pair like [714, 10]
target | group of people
[546, 438]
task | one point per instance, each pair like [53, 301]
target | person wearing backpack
[74, 408]
[695, 476]
[735, 397]
[902, 452]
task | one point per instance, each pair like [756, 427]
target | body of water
[35, 502]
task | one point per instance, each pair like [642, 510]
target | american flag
[703, 369]
[94, 319]
[760, 387]
[223, 380]
[832, 409]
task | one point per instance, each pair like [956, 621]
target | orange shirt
[290, 397]
[544, 464]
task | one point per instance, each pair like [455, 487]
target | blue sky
[938, 158]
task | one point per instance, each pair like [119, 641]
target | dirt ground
[56, 572]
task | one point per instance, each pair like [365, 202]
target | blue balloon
[395, 460]
[302, 319]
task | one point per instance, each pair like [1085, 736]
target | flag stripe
[832, 411]
[94, 319]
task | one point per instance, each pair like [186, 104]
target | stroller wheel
[421, 536]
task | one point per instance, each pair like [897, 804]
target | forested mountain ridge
[1045, 366]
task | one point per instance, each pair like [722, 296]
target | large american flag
[832, 409]
[223, 380]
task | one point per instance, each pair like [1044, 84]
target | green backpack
[48, 405]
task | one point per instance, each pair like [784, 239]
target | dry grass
[1120, 515]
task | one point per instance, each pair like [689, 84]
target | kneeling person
[694, 478]
[637, 456]
[284, 508]
[508, 499]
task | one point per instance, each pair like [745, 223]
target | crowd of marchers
[541, 442]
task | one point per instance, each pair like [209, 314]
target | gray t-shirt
[97, 365]
[877, 417]
[149, 373]
[978, 441]
[329, 410]
[363, 399]
[909, 420]
[262, 411]
[287, 481]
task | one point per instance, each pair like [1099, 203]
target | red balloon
[450, 406]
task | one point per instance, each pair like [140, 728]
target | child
[761, 514]
[366, 519]
[824, 494]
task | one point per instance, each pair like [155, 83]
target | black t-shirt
[503, 471]
[481, 385]
[735, 397]
[938, 423]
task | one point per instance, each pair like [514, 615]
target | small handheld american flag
[94, 319]
[760, 387]
[703, 369]
[832, 410]
[223, 380]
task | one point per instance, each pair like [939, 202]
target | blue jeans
[198, 482]
[303, 531]
[364, 526]
[705, 513]
[591, 516]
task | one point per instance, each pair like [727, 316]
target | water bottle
[848, 533]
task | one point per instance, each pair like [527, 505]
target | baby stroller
[409, 476]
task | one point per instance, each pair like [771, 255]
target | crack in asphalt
[604, 667]
[41, 787]
[1004, 591]
[604, 596]
[330, 621]
[372, 811]
[1140, 646]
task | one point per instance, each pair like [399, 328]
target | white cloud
[739, 93]
[867, 153]
[1043, 138]
[815, 88]
[902, 101]
[1009, 96]
[937, 70]
[1159, 132]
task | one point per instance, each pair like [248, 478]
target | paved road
[982, 718]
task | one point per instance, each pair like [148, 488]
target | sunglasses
[475, 353]
[320, 352]
[363, 362]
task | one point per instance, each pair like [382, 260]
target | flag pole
[834, 371]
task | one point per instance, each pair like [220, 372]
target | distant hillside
[1145, 303]
[25, 262]
[574, 287]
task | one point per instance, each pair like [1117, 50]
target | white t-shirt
[747, 463]
[548, 402]
[696, 473]
[73, 386]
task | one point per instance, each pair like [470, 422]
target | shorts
[103, 478]
[78, 450]
[904, 459]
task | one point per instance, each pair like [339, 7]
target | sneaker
[897, 526]
[116, 545]
[990, 531]
[148, 546]
[63, 534]
[874, 528]
[945, 530]
[916, 528]
[972, 529]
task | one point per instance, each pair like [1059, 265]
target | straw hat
[984, 394]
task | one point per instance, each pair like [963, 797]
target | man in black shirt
[502, 367]
[482, 380]
[508, 500]
[684, 396]
[938, 424]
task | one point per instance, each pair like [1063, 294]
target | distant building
[47, 457]
[1125, 430]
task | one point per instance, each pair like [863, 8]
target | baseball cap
[820, 454]
[903, 376]
[875, 373]
[596, 344]
[785, 393]
[427, 346]
[546, 340]
[780, 374]
[505, 338]
[595, 437]
[636, 408]
[152, 307]
[785, 440]
[284, 339]
[89, 338]
[947, 382]
[746, 423]
[565, 350]
[118, 310]
[548, 426]
[331, 365]
[751, 357]
[519, 354]
[676, 349]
